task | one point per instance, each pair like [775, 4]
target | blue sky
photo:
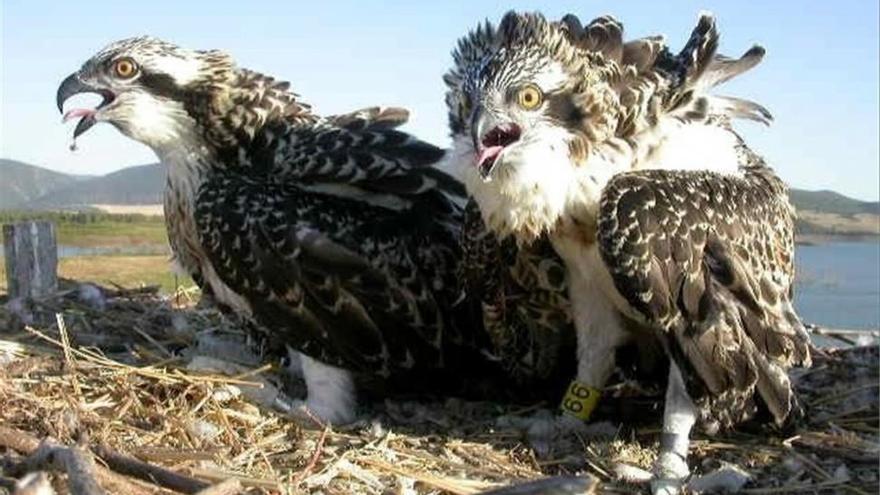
[820, 77]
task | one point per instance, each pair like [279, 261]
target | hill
[22, 183]
[832, 202]
[140, 185]
[26, 186]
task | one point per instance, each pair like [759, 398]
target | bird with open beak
[335, 235]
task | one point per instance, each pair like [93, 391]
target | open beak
[73, 85]
[490, 140]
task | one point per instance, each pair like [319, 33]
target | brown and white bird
[670, 230]
[334, 234]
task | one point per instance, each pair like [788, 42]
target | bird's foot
[548, 432]
[670, 473]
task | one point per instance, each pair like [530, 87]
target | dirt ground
[121, 373]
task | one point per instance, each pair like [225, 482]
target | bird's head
[149, 89]
[526, 87]
[526, 106]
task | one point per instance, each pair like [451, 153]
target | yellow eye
[125, 68]
[529, 97]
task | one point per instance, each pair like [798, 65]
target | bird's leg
[330, 392]
[679, 416]
[599, 333]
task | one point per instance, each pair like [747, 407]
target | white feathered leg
[594, 307]
[599, 333]
[679, 416]
[330, 391]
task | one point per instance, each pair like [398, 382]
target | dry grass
[150, 210]
[122, 381]
[123, 271]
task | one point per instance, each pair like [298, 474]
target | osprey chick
[669, 228]
[335, 234]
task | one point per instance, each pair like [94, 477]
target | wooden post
[31, 259]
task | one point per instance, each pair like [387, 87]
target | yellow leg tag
[580, 400]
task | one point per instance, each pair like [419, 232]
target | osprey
[670, 229]
[336, 235]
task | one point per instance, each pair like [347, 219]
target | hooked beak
[490, 140]
[73, 85]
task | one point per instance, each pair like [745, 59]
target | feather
[335, 236]
[738, 108]
[523, 294]
[371, 118]
[604, 35]
[723, 69]
[716, 280]
[642, 53]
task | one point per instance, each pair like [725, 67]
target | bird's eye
[125, 68]
[529, 97]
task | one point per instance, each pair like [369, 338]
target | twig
[18, 440]
[319, 447]
[228, 487]
[27, 444]
[149, 472]
[146, 371]
[69, 361]
[452, 485]
[219, 475]
[807, 487]
[75, 461]
[556, 484]
[164, 350]
[841, 395]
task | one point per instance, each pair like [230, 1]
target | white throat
[538, 189]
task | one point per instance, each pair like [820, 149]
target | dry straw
[111, 386]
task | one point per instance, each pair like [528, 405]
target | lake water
[838, 284]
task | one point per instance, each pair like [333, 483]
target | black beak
[477, 126]
[73, 85]
[490, 139]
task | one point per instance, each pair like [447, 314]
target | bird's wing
[353, 285]
[709, 259]
[372, 118]
[361, 150]
[523, 295]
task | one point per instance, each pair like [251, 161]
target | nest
[98, 391]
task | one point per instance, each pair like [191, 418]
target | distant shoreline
[819, 239]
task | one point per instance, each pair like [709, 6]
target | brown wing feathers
[707, 258]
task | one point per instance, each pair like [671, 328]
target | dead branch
[74, 461]
[26, 444]
[149, 472]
